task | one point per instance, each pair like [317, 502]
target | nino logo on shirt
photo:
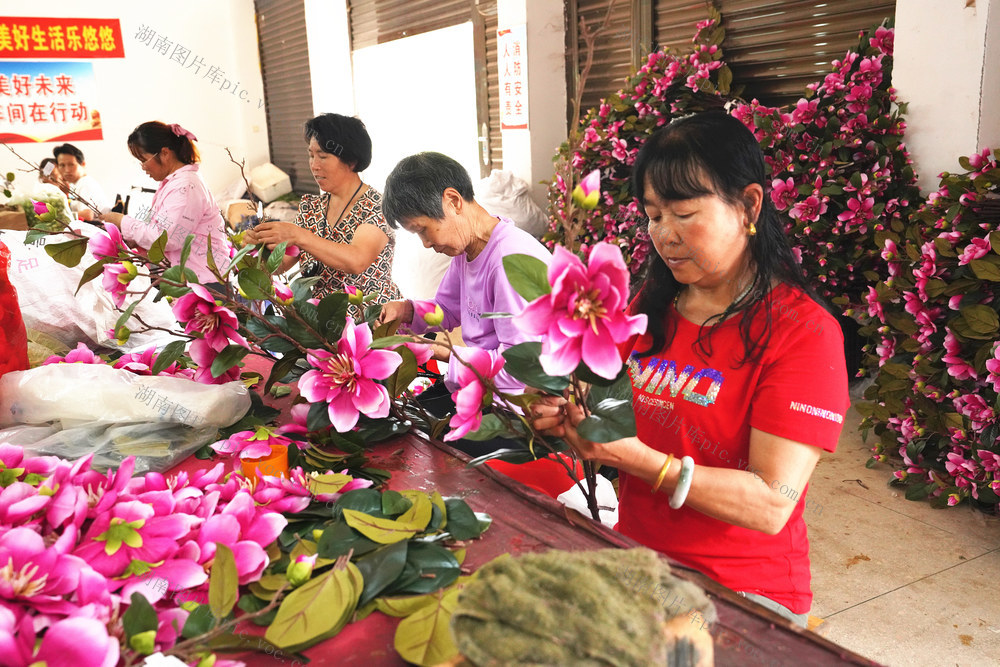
[654, 375]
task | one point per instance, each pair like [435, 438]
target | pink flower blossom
[199, 312]
[588, 193]
[469, 397]
[993, 368]
[805, 110]
[346, 381]
[41, 208]
[81, 354]
[203, 355]
[976, 249]
[809, 209]
[429, 312]
[619, 149]
[858, 210]
[251, 444]
[283, 293]
[115, 280]
[583, 317]
[957, 366]
[106, 245]
[783, 193]
[883, 40]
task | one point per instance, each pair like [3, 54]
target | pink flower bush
[936, 331]
[469, 397]
[583, 318]
[346, 381]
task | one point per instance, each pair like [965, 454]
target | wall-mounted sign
[48, 101]
[512, 62]
[47, 37]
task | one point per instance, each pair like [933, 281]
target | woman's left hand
[273, 233]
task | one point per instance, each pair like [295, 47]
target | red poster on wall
[46, 37]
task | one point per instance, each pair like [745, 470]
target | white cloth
[88, 188]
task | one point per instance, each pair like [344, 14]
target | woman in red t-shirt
[739, 382]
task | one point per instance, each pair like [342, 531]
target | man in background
[73, 169]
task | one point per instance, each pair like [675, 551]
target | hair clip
[181, 132]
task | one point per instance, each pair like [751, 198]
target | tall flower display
[841, 176]
[608, 138]
[935, 402]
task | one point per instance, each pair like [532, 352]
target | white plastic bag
[607, 500]
[80, 393]
[71, 410]
[503, 193]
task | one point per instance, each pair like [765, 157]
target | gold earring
[753, 229]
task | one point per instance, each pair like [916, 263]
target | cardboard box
[15, 220]
[267, 182]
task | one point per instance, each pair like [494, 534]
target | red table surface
[527, 521]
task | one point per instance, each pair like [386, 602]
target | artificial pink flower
[809, 209]
[977, 248]
[203, 355]
[783, 193]
[588, 193]
[958, 367]
[199, 312]
[251, 444]
[283, 293]
[469, 397]
[354, 295]
[583, 317]
[78, 641]
[429, 312]
[346, 381]
[106, 245]
[883, 40]
[41, 208]
[141, 363]
[993, 367]
[116, 278]
[81, 354]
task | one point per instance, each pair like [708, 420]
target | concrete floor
[894, 580]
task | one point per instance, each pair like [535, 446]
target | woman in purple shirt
[182, 204]
[430, 195]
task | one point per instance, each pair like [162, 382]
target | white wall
[146, 85]
[528, 153]
[328, 33]
[946, 66]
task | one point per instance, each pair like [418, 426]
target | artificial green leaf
[281, 368]
[985, 270]
[389, 341]
[995, 242]
[462, 521]
[318, 608]
[276, 256]
[170, 353]
[256, 284]
[490, 427]
[318, 417]
[339, 539]
[428, 568]
[328, 483]
[124, 317]
[611, 419]
[419, 513]
[919, 491]
[393, 503]
[156, 253]
[424, 637]
[527, 275]
[201, 620]
[981, 319]
[438, 502]
[399, 607]
[223, 582]
[174, 282]
[229, 357]
[332, 314]
[620, 388]
[368, 501]
[186, 250]
[90, 273]
[239, 256]
[404, 374]
[69, 253]
[383, 531]
[521, 361]
[380, 569]
[139, 617]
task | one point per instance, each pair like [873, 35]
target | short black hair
[343, 136]
[416, 184]
[68, 149]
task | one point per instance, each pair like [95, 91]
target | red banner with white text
[49, 37]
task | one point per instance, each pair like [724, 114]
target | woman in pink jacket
[182, 204]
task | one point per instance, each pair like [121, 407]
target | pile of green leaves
[391, 544]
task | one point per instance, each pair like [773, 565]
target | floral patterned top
[377, 278]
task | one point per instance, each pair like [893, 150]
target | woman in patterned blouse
[341, 232]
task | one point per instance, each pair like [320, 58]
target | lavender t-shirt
[470, 289]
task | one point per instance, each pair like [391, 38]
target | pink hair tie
[181, 132]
